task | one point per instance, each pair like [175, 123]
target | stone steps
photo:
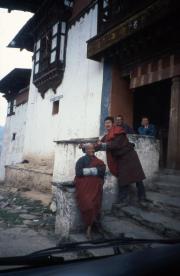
[116, 228]
[131, 229]
[160, 223]
[160, 218]
[171, 178]
[167, 187]
[164, 202]
[169, 172]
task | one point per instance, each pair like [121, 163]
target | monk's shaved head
[89, 149]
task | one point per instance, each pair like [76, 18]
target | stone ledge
[63, 185]
[77, 140]
[94, 139]
[26, 169]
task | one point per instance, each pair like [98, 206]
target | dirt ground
[26, 222]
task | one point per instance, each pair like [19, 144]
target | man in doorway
[146, 128]
[120, 122]
[123, 161]
[89, 187]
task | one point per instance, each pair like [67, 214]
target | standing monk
[89, 186]
[122, 159]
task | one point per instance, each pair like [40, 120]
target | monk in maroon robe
[89, 187]
[122, 159]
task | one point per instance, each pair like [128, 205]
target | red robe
[89, 190]
[122, 159]
[111, 161]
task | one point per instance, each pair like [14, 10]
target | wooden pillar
[173, 157]
[121, 101]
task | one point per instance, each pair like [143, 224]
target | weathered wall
[80, 102]
[19, 177]
[41, 128]
[12, 150]
[68, 218]
[82, 83]
[67, 154]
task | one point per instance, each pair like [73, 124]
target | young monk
[123, 161]
[89, 186]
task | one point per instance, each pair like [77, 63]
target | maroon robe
[122, 159]
[89, 189]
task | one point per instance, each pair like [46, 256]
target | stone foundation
[18, 177]
[68, 218]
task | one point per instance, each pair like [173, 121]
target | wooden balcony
[113, 12]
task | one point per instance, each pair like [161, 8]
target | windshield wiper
[45, 256]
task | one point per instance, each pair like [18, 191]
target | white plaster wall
[82, 84]
[12, 151]
[66, 156]
[41, 126]
[79, 110]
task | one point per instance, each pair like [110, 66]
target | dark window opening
[13, 136]
[55, 109]
[11, 107]
[153, 101]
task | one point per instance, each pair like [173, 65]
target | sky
[10, 24]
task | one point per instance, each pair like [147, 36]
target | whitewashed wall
[80, 103]
[41, 127]
[82, 84]
[67, 154]
[12, 151]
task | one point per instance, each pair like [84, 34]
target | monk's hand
[99, 143]
[81, 146]
[90, 171]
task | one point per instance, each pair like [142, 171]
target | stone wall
[21, 178]
[68, 218]
[66, 155]
[12, 149]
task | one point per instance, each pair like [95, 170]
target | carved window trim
[49, 57]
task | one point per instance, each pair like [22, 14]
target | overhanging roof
[24, 38]
[15, 80]
[23, 5]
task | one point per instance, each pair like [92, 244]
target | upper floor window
[49, 57]
[49, 49]
[11, 107]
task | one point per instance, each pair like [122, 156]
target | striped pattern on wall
[157, 70]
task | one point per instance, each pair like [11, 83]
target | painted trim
[106, 93]
[82, 13]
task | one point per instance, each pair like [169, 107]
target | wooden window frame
[55, 107]
[50, 73]
[11, 107]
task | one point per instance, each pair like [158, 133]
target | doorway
[153, 101]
